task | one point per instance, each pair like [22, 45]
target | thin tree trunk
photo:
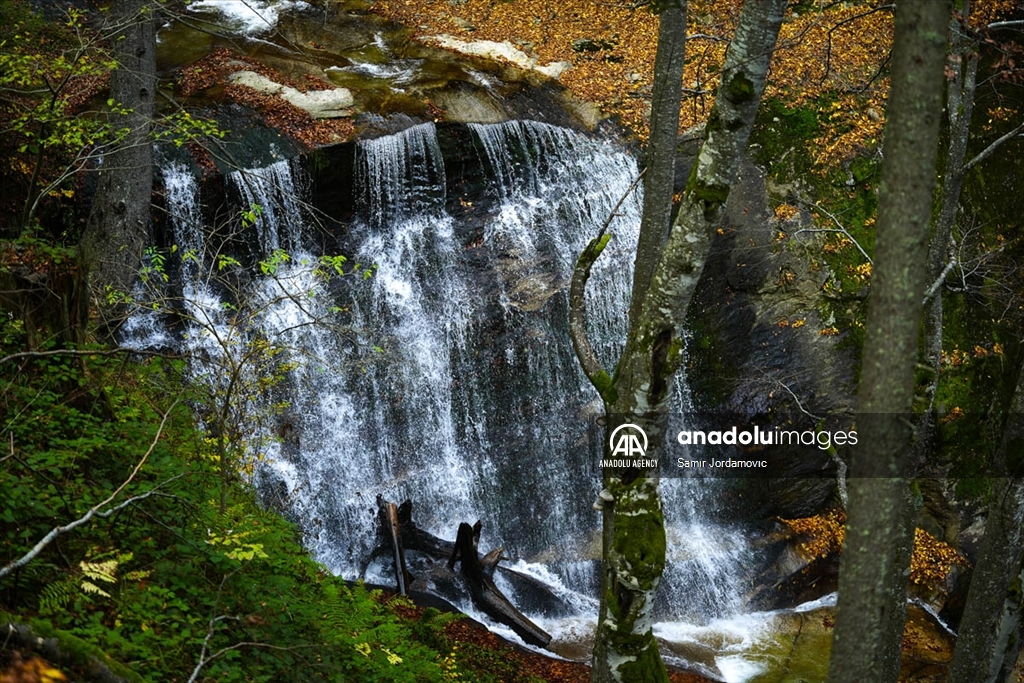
[879, 533]
[659, 176]
[633, 524]
[959, 108]
[991, 611]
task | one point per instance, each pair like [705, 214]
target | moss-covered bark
[637, 392]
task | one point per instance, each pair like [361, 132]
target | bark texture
[993, 610]
[117, 230]
[660, 166]
[963, 68]
[638, 392]
[879, 533]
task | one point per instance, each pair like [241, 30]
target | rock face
[320, 104]
[758, 352]
[382, 73]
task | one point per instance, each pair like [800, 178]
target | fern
[105, 572]
[100, 571]
[57, 594]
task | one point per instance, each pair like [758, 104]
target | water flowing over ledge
[447, 376]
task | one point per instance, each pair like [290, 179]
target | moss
[75, 652]
[606, 387]
[675, 351]
[714, 123]
[712, 196]
[786, 138]
[640, 539]
[741, 88]
[863, 169]
[647, 668]
[707, 371]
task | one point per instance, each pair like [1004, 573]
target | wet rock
[757, 353]
[794, 645]
[786, 576]
[467, 103]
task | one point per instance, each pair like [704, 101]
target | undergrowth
[169, 581]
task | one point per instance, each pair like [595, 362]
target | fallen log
[402, 533]
[415, 538]
[484, 593]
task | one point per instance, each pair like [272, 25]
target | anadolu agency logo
[628, 444]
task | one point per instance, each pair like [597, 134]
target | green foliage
[251, 215]
[50, 75]
[182, 127]
[785, 138]
[180, 570]
[46, 77]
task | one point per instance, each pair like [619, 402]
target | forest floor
[542, 666]
[611, 46]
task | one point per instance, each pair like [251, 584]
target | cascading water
[448, 376]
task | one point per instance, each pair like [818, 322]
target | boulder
[505, 51]
[320, 104]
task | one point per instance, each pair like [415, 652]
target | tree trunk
[116, 234]
[879, 533]
[959, 108]
[991, 610]
[660, 167]
[638, 394]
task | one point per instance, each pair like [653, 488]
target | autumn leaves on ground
[833, 58]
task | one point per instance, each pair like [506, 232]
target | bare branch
[839, 228]
[988, 151]
[97, 510]
[211, 630]
[789, 391]
[203, 660]
[86, 352]
[939, 280]
[1016, 23]
[840, 464]
[706, 36]
[835, 27]
[11, 453]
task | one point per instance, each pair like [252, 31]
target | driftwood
[401, 533]
[390, 520]
[418, 539]
[486, 596]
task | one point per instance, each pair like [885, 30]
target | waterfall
[440, 368]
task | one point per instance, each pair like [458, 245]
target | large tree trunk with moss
[638, 392]
[118, 226]
[993, 609]
[879, 532]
